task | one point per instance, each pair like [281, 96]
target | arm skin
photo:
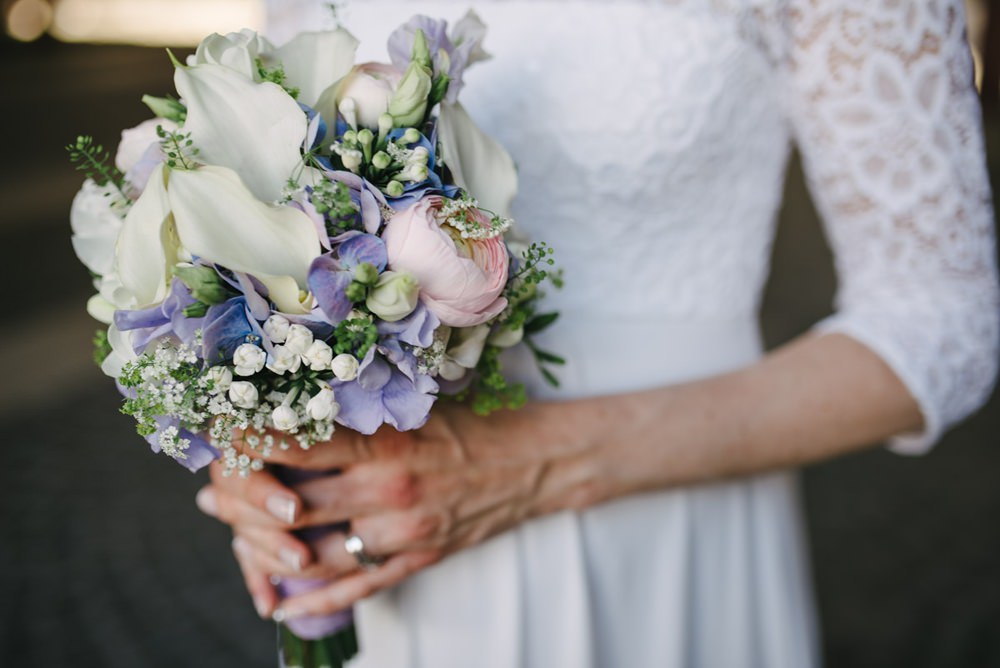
[416, 497]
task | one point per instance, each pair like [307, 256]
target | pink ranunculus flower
[461, 280]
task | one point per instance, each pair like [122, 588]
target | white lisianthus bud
[318, 356]
[276, 328]
[420, 156]
[394, 296]
[221, 377]
[413, 172]
[345, 367]
[283, 359]
[299, 339]
[248, 359]
[285, 418]
[505, 337]
[322, 406]
[243, 394]
[351, 159]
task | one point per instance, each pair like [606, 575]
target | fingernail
[261, 607]
[274, 579]
[292, 558]
[241, 546]
[206, 501]
[281, 507]
[285, 614]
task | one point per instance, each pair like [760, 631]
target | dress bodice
[651, 138]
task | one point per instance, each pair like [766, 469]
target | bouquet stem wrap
[313, 642]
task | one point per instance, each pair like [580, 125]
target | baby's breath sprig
[465, 215]
[178, 148]
[94, 162]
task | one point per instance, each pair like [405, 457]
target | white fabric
[651, 138]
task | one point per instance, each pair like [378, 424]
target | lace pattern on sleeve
[888, 122]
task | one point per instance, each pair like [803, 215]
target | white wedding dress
[651, 139]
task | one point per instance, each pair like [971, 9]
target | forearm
[815, 398]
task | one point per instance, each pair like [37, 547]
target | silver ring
[356, 548]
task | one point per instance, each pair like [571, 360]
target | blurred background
[104, 560]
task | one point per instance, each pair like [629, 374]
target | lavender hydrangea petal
[360, 409]
[406, 407]
[327, 281]
[253, 290]
[375, 375]
[227, 326]
[401, 39]
[362, 248]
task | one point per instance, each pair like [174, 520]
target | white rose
[96, 218]
[221, 377]
[238, 51]
[318, 356]
[299, 339]
[283, 360]
[322, 406]
[285, 418]
[276, 328]
[248, 359]
[394, 296]
[371, 87]
[345, 367]
[465, 347]
[139, 150]
[243, 394]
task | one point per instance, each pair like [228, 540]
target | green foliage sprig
[178, 147]
[276, 75]
[95, 163]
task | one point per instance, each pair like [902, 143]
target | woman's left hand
[412, 497]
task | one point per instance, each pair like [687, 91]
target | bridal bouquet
[298, 242]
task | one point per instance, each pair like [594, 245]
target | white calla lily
[256, 129]
[477, 162]
[219, 220]
[147, 246]
[122, 352]
[316, 61]
[100, 309]
[238, 51]
[286, 294]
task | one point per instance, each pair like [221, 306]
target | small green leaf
[540, 322]
[544, 356]
[549, 377]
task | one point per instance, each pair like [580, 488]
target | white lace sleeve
[888, 122]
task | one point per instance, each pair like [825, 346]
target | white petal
[477, 162]
[101, 309]
[286, 294]
[96, 225]
[314, 61]
[135, 141]
[147, 245]
[253, 128]
[219, 219]
[121, 352]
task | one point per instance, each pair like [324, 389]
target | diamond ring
[356, 548]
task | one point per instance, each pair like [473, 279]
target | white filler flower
[221, 377]
[276, 328]
[299, 339]
[318, 356]
[248, 359]
[283, 360]
[322, 406]
[345, 367]
[243, 394]
[285, 418]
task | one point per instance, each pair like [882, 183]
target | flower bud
[410, 136]
[345, 367]
[318, 356]
[284, 360]
[350, 137]
[505, 337]
[276, 328]
[366, 273]
[409, 103]
[420, 156]
[384, 125]
[356, 291]
[203, 282]
[285, 418]
[413, 173]
[349, 110]
[365, 137]
[299, 339]
[221, 377]
[394, 296]
[322, 406]
[243, 394]
[351, 159]
[381, 160]
[394, 189]
[248, 359]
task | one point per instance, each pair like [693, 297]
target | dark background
[104, 560]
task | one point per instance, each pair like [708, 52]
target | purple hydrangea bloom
[164, 319]
[329, 276]
[199, 453]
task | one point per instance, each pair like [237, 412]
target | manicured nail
[274, 579]
[207, 502]
[284, 614]
[241, 546]
[291, 558]
[281, 507]
[261, 607]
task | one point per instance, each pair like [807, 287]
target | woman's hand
[412, 497]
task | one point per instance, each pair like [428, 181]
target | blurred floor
[104, 562]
